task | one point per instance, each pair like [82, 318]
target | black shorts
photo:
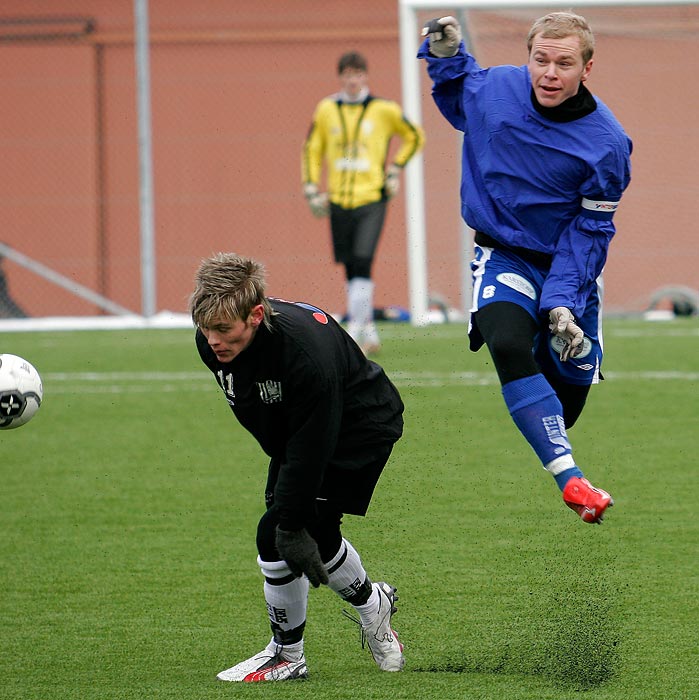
[356, 232]
[343, 491]
[348, 483]
[325, 530]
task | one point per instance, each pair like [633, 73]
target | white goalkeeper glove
[445, 36]
[391, 184]
[562, 324]
[317, 201]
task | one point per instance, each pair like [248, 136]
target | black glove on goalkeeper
[300, 551]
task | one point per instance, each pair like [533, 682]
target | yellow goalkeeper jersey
[353, 139]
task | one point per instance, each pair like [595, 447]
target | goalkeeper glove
[391, 185]
[562, 324]
[317, 201]
[445, 36]
[300, 552]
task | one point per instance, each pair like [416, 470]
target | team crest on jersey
[270, 391]
[518, 283]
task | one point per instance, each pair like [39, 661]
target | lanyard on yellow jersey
[347, 189]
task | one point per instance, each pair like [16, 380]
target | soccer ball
[21, 391]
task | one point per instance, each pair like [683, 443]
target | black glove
[300, 551]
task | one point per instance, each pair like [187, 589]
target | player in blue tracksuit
[544, 166]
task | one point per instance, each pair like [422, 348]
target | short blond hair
[228, 286]
[558, 25]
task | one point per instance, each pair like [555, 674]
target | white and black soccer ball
[21, 391]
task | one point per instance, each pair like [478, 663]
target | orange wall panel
[234, 86]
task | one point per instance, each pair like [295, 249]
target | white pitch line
[125, 376]
[171, 382]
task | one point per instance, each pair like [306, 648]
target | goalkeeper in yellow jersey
[350, 136]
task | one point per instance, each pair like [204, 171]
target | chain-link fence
[233, 88]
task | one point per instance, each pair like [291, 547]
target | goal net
[646, 60]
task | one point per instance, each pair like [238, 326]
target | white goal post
[409, 31]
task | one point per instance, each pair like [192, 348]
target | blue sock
[565, 476]
[538, 414]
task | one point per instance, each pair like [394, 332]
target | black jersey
[318, 407]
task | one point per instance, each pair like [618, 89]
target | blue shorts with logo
[500, 275]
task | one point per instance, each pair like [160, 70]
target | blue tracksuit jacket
[531, 182]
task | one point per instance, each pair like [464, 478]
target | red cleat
[588, 502]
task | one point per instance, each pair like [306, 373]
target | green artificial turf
[128, 510]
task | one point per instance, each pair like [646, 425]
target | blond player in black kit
[327, 417]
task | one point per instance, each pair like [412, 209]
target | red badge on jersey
[318, 314]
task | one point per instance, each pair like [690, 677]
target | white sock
[291, 652]
[286, 602]
[348, 578]
[354, 328]
[370, 609]
[360, 301]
